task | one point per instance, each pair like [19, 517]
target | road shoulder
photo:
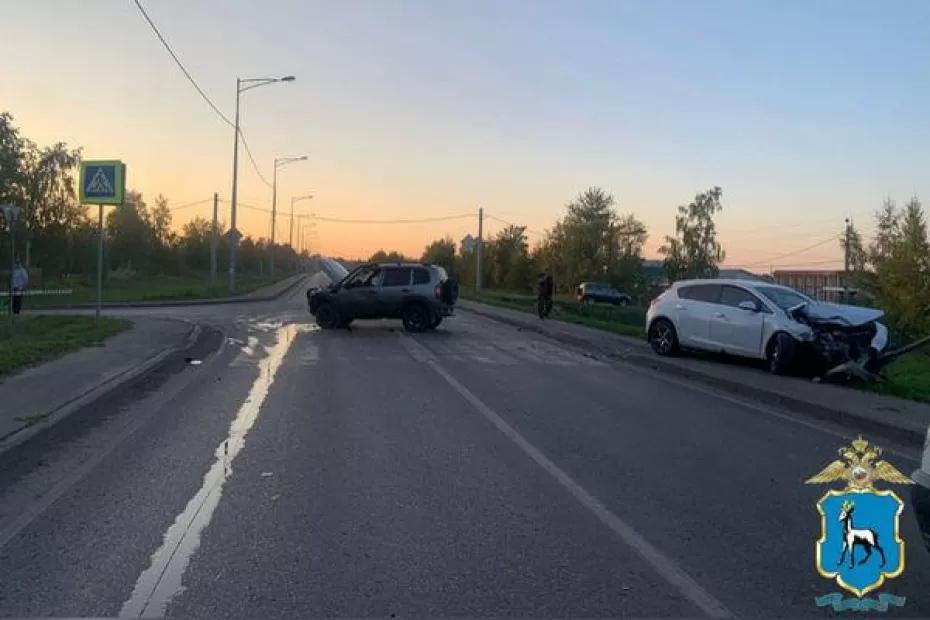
[896, 418]
[40, 396]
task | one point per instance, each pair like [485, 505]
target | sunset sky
[803, 112]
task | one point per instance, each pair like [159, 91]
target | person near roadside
[19, 279]
[546, 288]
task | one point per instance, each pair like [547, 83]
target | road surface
[478, 471]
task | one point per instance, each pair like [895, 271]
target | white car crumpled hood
[852, 316]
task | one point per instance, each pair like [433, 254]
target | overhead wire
[397, 221]
[359, 221]
[772, 259]
[781, 227]
[190, 204]
[199, 90]
[786, 265]
[505, 222]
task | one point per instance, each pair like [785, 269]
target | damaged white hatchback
[761, 320]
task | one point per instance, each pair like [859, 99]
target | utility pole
[278, 162]
[99, 263]
[846, 265]
[274, 214]
[11, 223]
[233, 240]
[10, 215]
[233, 233]
[213, 239]
[479, 250]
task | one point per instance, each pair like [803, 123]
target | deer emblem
[853, 537]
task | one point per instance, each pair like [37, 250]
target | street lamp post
[300, 230]
[278, 162]
[305, 235]
[242, 85]
[295, 199]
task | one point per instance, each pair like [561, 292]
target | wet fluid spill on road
[158, 584]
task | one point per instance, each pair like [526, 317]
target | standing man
[544, 295]
[20, 278]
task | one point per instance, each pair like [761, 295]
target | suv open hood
[848, 316]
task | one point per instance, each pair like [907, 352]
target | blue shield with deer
[859, 545]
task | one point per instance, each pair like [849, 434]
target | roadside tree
[694, 251]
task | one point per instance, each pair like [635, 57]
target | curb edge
[102, 389]
[909, 435]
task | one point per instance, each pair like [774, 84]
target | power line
[196, 86]
[248, 206]
[252, 159]
[500, 221]
[785, 265]
[781, 227]
[191, 204]
[411, 221]
[769, 261]
[180, 64]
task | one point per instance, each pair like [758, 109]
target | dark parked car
[591, 292]
[419, 294]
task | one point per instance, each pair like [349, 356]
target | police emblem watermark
[860, 546]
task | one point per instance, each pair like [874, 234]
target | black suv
[419, 294]
[590, 292]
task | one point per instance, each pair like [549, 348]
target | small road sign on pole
[233, 235]
[102, 182]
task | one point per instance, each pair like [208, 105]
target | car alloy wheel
[662, 337]
[781, 354]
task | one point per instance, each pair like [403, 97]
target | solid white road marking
[660, 562]
[161, 581]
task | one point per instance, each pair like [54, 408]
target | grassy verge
[36, 339]
[145, 288]
[908, 378]
[623, 320]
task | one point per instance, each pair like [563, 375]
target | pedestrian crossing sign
[102, 182]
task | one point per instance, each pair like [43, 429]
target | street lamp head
[287, 78]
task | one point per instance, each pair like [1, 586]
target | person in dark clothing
[19, 278]
[546, 288]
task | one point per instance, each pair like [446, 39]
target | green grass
[909, 377]
[144, 288]
[623, 320]
[36, 339]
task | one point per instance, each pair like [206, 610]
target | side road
[42, 395]
[866, 412]
[266, 293]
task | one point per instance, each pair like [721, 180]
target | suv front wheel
[327, 317]
[415, 318]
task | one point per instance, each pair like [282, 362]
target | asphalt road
[475, 471]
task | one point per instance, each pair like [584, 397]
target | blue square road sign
[102, 182]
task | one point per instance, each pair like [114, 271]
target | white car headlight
[880, 340]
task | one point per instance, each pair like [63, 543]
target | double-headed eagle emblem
[860, 466]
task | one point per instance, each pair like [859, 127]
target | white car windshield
[784, 298]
